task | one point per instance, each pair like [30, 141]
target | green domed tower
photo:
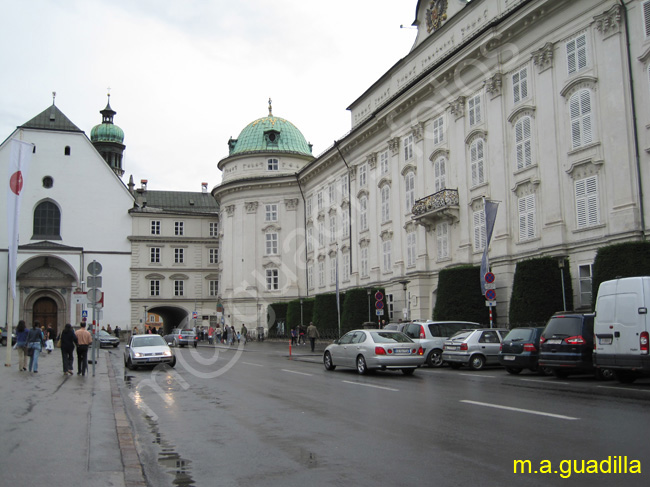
[108, 139]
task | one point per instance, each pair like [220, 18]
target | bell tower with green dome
[108, 139]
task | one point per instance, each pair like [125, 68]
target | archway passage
[45, 312]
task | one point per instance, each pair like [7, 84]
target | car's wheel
[3, 341]
[477, 362]
[561, 373]
[454, 365]
[625, 376]
[327, 361]
[173, 362]
[408, 371]
[513, 370]
[434, 359]
[129, 364]
[604, 374]
[362, 367]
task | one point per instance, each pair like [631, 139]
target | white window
[272, 280]
[346, 268]
[526, 206]
[345, 223]
[438, 130]
[321, 234]
[576, 53]
[309, 206]
[154, 255]
[321, 273]
[179, 228]
[364, 261]
[479, 230]
[409, 190]
[408, 147]
[584, 272]
[440, 174]
[363, 213]
[310, 277]
[646, 19]
[523, 143]
[477, 161]
[385, 204]
[310, 239]
[387, 251]
[214, 287]
[271, 243]
[442, 240]
[345, 186]
[332, 228]
[410, 248]
[179, 256]
[474, 110]
[154, 287]
[587, 208]
[272, 165]
[363, 175]
[271, 214]
[390, 304]
[213, 255]
[179, 288]
[333, 264]
[383, 162]
[581, 122]
[155, 227]
[520, 85]
[332, 194]
[319, 201]
[214, 229]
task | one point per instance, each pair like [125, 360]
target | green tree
[459, 296]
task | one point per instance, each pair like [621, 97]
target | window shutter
[585, 102]
[571, 56]
[646, 18]
[524, 83]
[581, 50]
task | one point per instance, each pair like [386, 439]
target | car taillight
[576, 340]
[420, 351]
[422, 335]
[180, 336]
[380, 351]
[500, 347]
[463, 346]
[529, 347]
[541, 340]
[643, 342]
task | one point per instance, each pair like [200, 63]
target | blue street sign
[84, 313]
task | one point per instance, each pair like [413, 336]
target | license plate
[402, 350]
[508, 357]
[554, 341]
[605, 341]
[451, 347]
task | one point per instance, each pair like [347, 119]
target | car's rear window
[563, 325]
[187, 332]
[389, 337]
[412, 330]
[520, 334]
[461, 335]
[448, 329]
[148, 341]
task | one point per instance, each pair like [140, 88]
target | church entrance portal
[45, 312]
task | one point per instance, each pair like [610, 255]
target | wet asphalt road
[232, 418]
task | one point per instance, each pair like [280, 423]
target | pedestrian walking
[50, 334]
[68, 341]
[84, 339]
[21, 345]
[210, 335]
[244, 332]
[35, 342]
[293, 336]
[117, 331]
[312, 333]
[301, 335]
[219, 334]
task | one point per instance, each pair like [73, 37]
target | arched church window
[47, 222]
[66, 151]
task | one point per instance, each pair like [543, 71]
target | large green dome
[107, 131]
[270, 134]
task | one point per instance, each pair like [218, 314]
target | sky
[186, 75]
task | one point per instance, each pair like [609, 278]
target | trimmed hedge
[459, 296]
[629, 259]
[293, 313]
[325, 314]
[354, 312]
[537, 291]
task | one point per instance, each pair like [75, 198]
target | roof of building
[107, 131]
[176, 201]
[51, 119]
[270, 134]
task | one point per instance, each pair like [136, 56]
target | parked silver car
[147, 350]
[107, 340]
[475, 348]
[431, 335]
[374, 349]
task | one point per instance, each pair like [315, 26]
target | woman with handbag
[21, 345]
[35, 342]
[67, 340]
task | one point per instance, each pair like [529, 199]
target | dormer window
[271, 137]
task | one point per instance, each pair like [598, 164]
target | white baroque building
[539, 105]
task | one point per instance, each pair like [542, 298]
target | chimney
[204, 187]
[143, 184]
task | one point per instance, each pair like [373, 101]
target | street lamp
[369, 289]
[301, 321]
[560, 264]
[145, 316]
[406, 300]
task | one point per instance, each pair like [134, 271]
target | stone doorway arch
[45, 311]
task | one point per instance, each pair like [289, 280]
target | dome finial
[270, 108]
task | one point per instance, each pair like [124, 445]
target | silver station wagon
[476, 348]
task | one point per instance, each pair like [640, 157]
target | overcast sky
[185, 75]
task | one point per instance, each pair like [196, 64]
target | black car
[520, 350]
[567, 345]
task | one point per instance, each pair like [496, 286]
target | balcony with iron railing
[436, 207]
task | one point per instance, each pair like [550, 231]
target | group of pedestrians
[298, 335]
[30, 342]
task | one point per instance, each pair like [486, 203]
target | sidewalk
[63, 430]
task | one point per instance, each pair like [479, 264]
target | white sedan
[147, 350]
[374, 350]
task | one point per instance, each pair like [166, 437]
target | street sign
[490, 295]
[194, 315]
[79, 297]
[379, 296]
[490, 304]
[489, 277]
[491, 285]
[94, 268]
[380, 312]
[94, 296]
[94, 281]
[379, 305]
[84, 313]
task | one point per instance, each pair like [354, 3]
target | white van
[621, 327]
